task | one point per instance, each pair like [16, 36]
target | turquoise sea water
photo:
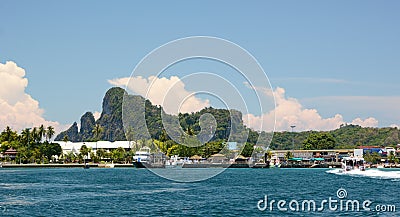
[138, 192]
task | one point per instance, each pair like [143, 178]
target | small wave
[371, 173]
[14, 185]
[151, 191]
[20, 200]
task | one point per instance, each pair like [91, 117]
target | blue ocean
[234, 192]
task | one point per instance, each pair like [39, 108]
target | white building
[74, 147]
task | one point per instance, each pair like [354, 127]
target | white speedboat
[353, 164]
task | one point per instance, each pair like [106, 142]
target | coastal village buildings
[74, 147]
[333, 155]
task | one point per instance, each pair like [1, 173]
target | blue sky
[338, 57]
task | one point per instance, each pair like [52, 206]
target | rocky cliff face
[113, 127]
[71, 134]
[110, 121]
[111, 116]
[87, 126]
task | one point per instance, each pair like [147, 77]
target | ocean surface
[139, 192]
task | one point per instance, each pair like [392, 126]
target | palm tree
[190, 131]
[25, 134]
[391, 157]
[288, 155]
[130, 135]
[8, 134]
[65, 139]
[119, 154]
[97, 131]
[129, 156]
[101, 153]
[70, 157]
[35, 135]
[268, 155]
[49, 133]
[41, 132]
[84, 151]
[163, 136]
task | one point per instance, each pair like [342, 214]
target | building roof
[218, 155]
[76, 146]
[195, 157]
[241, 157]
[11, 151]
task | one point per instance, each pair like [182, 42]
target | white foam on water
[151, 191]
[371, 173]
[19, 200]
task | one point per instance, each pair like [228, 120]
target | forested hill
[109, 127]
[349, 136]
[111, 123]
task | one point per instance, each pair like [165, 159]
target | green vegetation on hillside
[347, 136]
[228, 124]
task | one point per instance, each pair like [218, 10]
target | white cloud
[314, 80]
[168, 92]
[17, 108]
[171, 92]
[96, 115]
[384, 108]
[369, 122]
[289, 111]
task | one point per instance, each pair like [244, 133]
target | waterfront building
[108, 146]
[10, 153]
[334, 155]
[218, 158]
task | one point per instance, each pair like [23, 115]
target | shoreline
[189, 166]
[61, 165]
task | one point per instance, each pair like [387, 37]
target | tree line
[32, 144]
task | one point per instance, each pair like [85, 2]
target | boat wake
[371, 173]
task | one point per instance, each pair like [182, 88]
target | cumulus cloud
[17, 108]
[167, 92]
[96, 115]
[289, 111]
[369, 122]
[174, 97]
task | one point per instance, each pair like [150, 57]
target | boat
[352, 164]
[174, 162]
[106, 165]
[261, 165]
[109, 165]
[141, 158]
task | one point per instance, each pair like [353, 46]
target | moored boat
[261, 165]
[174, 162]
[142, 158]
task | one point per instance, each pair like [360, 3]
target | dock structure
[329, 155]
